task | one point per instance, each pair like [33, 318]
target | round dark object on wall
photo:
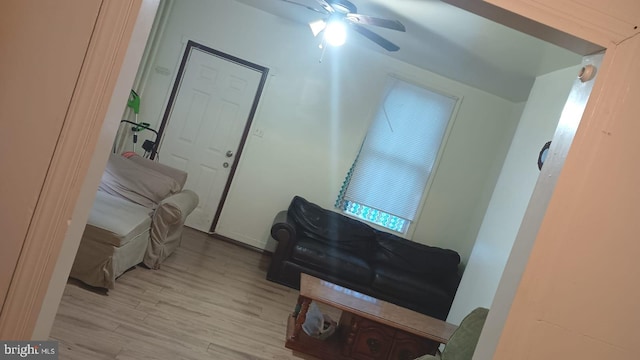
[543, 154]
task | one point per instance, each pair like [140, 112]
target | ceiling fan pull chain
[323, 47]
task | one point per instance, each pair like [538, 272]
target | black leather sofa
[350, 253]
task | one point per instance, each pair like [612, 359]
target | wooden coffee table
[368, 328]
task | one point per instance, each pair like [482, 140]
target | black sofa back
[350, 253]
[331, 228]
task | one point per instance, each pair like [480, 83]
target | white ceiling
[449, 41]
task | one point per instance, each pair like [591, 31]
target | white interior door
[203, 133]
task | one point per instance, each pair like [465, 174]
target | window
[387, 181]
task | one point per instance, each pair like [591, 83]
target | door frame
[72, 160]
[605, 104]
[191, 45]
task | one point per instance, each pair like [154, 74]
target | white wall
[314, 116]
[512, 193]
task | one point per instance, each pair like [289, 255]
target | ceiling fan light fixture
[317, 26]
[338, 14]
[335, 33]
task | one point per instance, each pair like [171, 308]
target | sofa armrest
[167, 224]
[282, 228]
[182, 203]
[283, 231]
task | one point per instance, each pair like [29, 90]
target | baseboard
[240, 243]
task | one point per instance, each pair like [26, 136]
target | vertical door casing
[43, 45]
[568, 124]
[62, 166]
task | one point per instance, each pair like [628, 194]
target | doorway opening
[535, 29]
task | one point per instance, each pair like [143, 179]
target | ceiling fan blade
[388, 45]
[370, 20]
[305, 6]
[326, 6]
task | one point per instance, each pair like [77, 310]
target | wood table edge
[441, 336]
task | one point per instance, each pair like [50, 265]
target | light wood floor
[210, 300]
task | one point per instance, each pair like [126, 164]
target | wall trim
[576, 18]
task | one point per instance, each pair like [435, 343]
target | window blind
[400, 149]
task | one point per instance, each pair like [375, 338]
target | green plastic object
[141, 127]
[134, 101]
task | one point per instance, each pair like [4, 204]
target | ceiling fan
[342, 14]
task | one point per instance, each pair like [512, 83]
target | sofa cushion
[178, 175]
[116, 221]
[332, 261]
[414, 257]
[331, 228]
[404, 285]
[140, 184]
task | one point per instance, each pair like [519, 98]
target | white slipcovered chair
[137, 217]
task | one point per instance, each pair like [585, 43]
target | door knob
[225, 165]
[229, 153]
